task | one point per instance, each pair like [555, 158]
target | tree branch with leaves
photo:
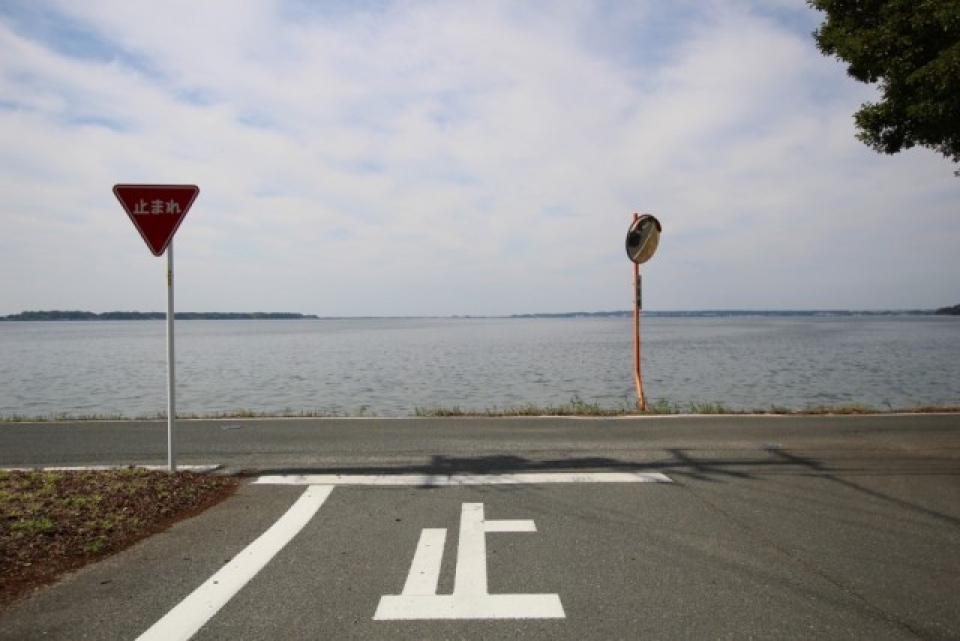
[911, 48]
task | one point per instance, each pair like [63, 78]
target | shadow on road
[680, 465]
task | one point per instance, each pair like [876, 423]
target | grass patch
[52, 522]
[709, 408]
[238, 414]
[845, 409]
[665, 407]
[576, 406]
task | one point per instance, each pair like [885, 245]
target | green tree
[912, 49]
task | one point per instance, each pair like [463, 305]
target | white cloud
[454, 158]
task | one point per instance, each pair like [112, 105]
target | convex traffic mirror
[643, 238]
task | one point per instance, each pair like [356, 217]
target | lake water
[391, 367]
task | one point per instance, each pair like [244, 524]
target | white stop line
[454, 480]
[418, 600]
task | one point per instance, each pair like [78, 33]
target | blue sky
[448, 157]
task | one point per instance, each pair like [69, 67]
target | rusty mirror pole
[643, 237]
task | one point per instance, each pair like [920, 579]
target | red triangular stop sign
[156, 210]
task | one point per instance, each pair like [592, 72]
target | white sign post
[171, 387]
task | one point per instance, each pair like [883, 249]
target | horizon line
[185, 315]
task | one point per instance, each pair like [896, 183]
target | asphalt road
[769, 527]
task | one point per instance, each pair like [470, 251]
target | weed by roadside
[659, 407]
[575, 407]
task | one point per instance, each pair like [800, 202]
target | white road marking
[462, 607]
[184, 620]
[451, 480]
[419, 599]
[425, 570]
[470, 598]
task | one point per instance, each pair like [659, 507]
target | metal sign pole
[641, 402]
[171, 398]
[642, 240]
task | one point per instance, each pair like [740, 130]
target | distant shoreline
[136, 316]
[711, 313]
[57, 315]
